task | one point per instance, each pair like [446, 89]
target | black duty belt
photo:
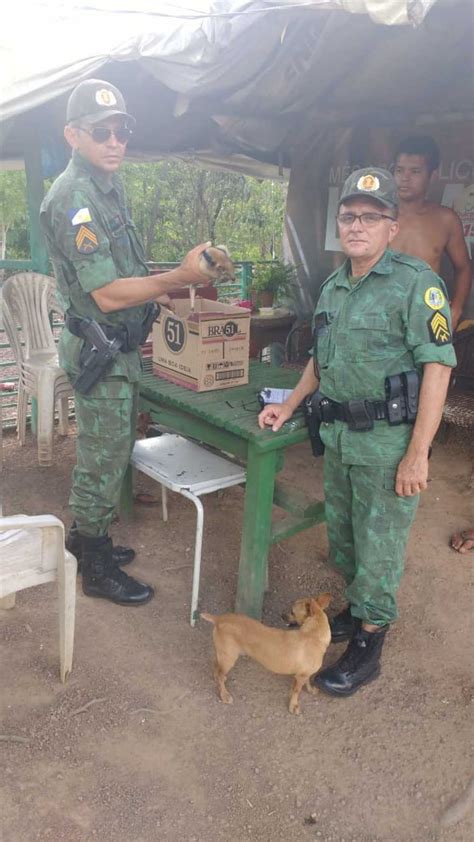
[102, 343]
[129, 335]
[358, 414]
[401, 406]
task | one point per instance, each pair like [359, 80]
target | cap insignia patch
[439, 329]
[86, 240]
[434, 298]
[368, 183]
[105, 97]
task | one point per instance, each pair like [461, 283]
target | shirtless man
[426, 229]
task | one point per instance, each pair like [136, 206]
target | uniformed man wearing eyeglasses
[101, 273]
[382, 324]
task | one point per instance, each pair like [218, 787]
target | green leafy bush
[276, 277]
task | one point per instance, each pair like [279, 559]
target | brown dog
[299, 652]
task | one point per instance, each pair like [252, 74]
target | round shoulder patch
[434, 298]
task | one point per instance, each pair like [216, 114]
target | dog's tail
[209, 617]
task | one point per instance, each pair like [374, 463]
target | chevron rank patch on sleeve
[439, 329]
[86, 240]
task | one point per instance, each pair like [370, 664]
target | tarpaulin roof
[228, 79]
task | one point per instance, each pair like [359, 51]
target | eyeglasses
[368, 220]
[101, 134]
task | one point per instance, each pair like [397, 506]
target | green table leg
[261, 470]
[126, 495]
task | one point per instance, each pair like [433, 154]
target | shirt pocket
[120, 247]
[322, 331]
[136, 243]
[368, 336]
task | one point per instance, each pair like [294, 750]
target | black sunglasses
[101, 134]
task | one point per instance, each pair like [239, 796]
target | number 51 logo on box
[174, 334]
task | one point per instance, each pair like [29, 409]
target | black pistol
[96, 356]
[312, 414]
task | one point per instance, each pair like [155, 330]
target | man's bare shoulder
[441, 214]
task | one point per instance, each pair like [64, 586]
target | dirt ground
[137, 747]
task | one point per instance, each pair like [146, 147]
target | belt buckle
[359, 418]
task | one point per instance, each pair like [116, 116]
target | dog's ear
[313, 607]
[308, 607]
[323, 600]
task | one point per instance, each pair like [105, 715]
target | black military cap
[373, 183]
[94, 100]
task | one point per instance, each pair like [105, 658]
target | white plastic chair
[185, 467]
[1, 410]
[28, 300]
[31, 553]
[1, 443]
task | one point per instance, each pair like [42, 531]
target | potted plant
[272, 281]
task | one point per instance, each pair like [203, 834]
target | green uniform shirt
[91, 242]
[394, 319]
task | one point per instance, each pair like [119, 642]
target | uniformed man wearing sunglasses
[102, 275]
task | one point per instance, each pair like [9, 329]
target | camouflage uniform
[91, 242]
[394, 319]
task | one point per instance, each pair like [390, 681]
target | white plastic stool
[32, 553]
[190, 470]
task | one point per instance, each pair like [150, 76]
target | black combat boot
[102, 578]
[121, 555]
[343, 626]
[359, 665]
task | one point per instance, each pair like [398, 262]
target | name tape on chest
[86, 240]
[439, 329]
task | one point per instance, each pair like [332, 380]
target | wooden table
[227, 420]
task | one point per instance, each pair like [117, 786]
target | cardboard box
[203, 350]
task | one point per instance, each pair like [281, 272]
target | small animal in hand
[298, 652]
[215, 262]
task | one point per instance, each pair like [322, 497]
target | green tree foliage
[176, 205]
[13, 215]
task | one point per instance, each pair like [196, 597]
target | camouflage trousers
[368, 526]
[106, 427]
